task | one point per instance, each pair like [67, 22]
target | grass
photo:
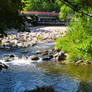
[78, 40]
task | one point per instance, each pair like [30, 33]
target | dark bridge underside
[42, 18]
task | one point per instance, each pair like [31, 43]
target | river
[22, 74]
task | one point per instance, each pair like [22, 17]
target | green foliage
[9, 14]
[64, 11]
[42, 5]
[70, 7]
[78, 40]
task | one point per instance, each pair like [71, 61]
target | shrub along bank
[43, 5]
[78, 40]
[9, 14]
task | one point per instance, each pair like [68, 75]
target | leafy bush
[9, 14]
[78, 40]
[64, 11]
[42, 5]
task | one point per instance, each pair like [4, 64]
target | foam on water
[24, 74]
[21, 61]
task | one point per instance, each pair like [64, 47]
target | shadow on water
[85, 87]
[42, 89]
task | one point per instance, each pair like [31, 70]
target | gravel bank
[36, 35]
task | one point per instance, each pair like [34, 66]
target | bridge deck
[43, 18]
[39, 13]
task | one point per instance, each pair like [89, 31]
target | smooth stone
[79, 61]
[11, 56]
[50, 56]
[47, 57]
[30, 37]
[8, 58]
[39, 52]
[34, 58]
[45, 52]
[59, 56]
[34, 44]
[3, 66]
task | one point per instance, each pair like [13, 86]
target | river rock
[79, 61]
[47, 57]
[18, 38]
[11, 56]
[34, 57]
[45, 52]
[34, 44]
[39, 52]
[50, 56]
[3, 66]
[59, 56]
[8, 58]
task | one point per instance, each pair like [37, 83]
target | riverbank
[39, 34]
[36, 37]
[32, 68]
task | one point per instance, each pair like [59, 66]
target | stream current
[22, 74]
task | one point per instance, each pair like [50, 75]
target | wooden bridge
[42, 18]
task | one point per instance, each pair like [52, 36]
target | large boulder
[34, 57]
[48, 57]
[60, 56]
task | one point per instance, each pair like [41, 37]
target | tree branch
[74, 7]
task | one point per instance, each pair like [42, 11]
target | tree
[78, 40]
[9, 14]
[42, 5]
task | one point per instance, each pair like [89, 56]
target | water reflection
[21, 77]
[66, 78]
[85, 87]
[82, 72]
[81, 75]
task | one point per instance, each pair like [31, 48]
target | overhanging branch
[74, 7]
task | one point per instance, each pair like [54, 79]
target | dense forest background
[9, 14]
[43, 5]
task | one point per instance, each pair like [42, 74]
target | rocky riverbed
[36, 35]
[31, 69]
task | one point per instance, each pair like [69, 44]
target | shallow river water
[22, 74]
